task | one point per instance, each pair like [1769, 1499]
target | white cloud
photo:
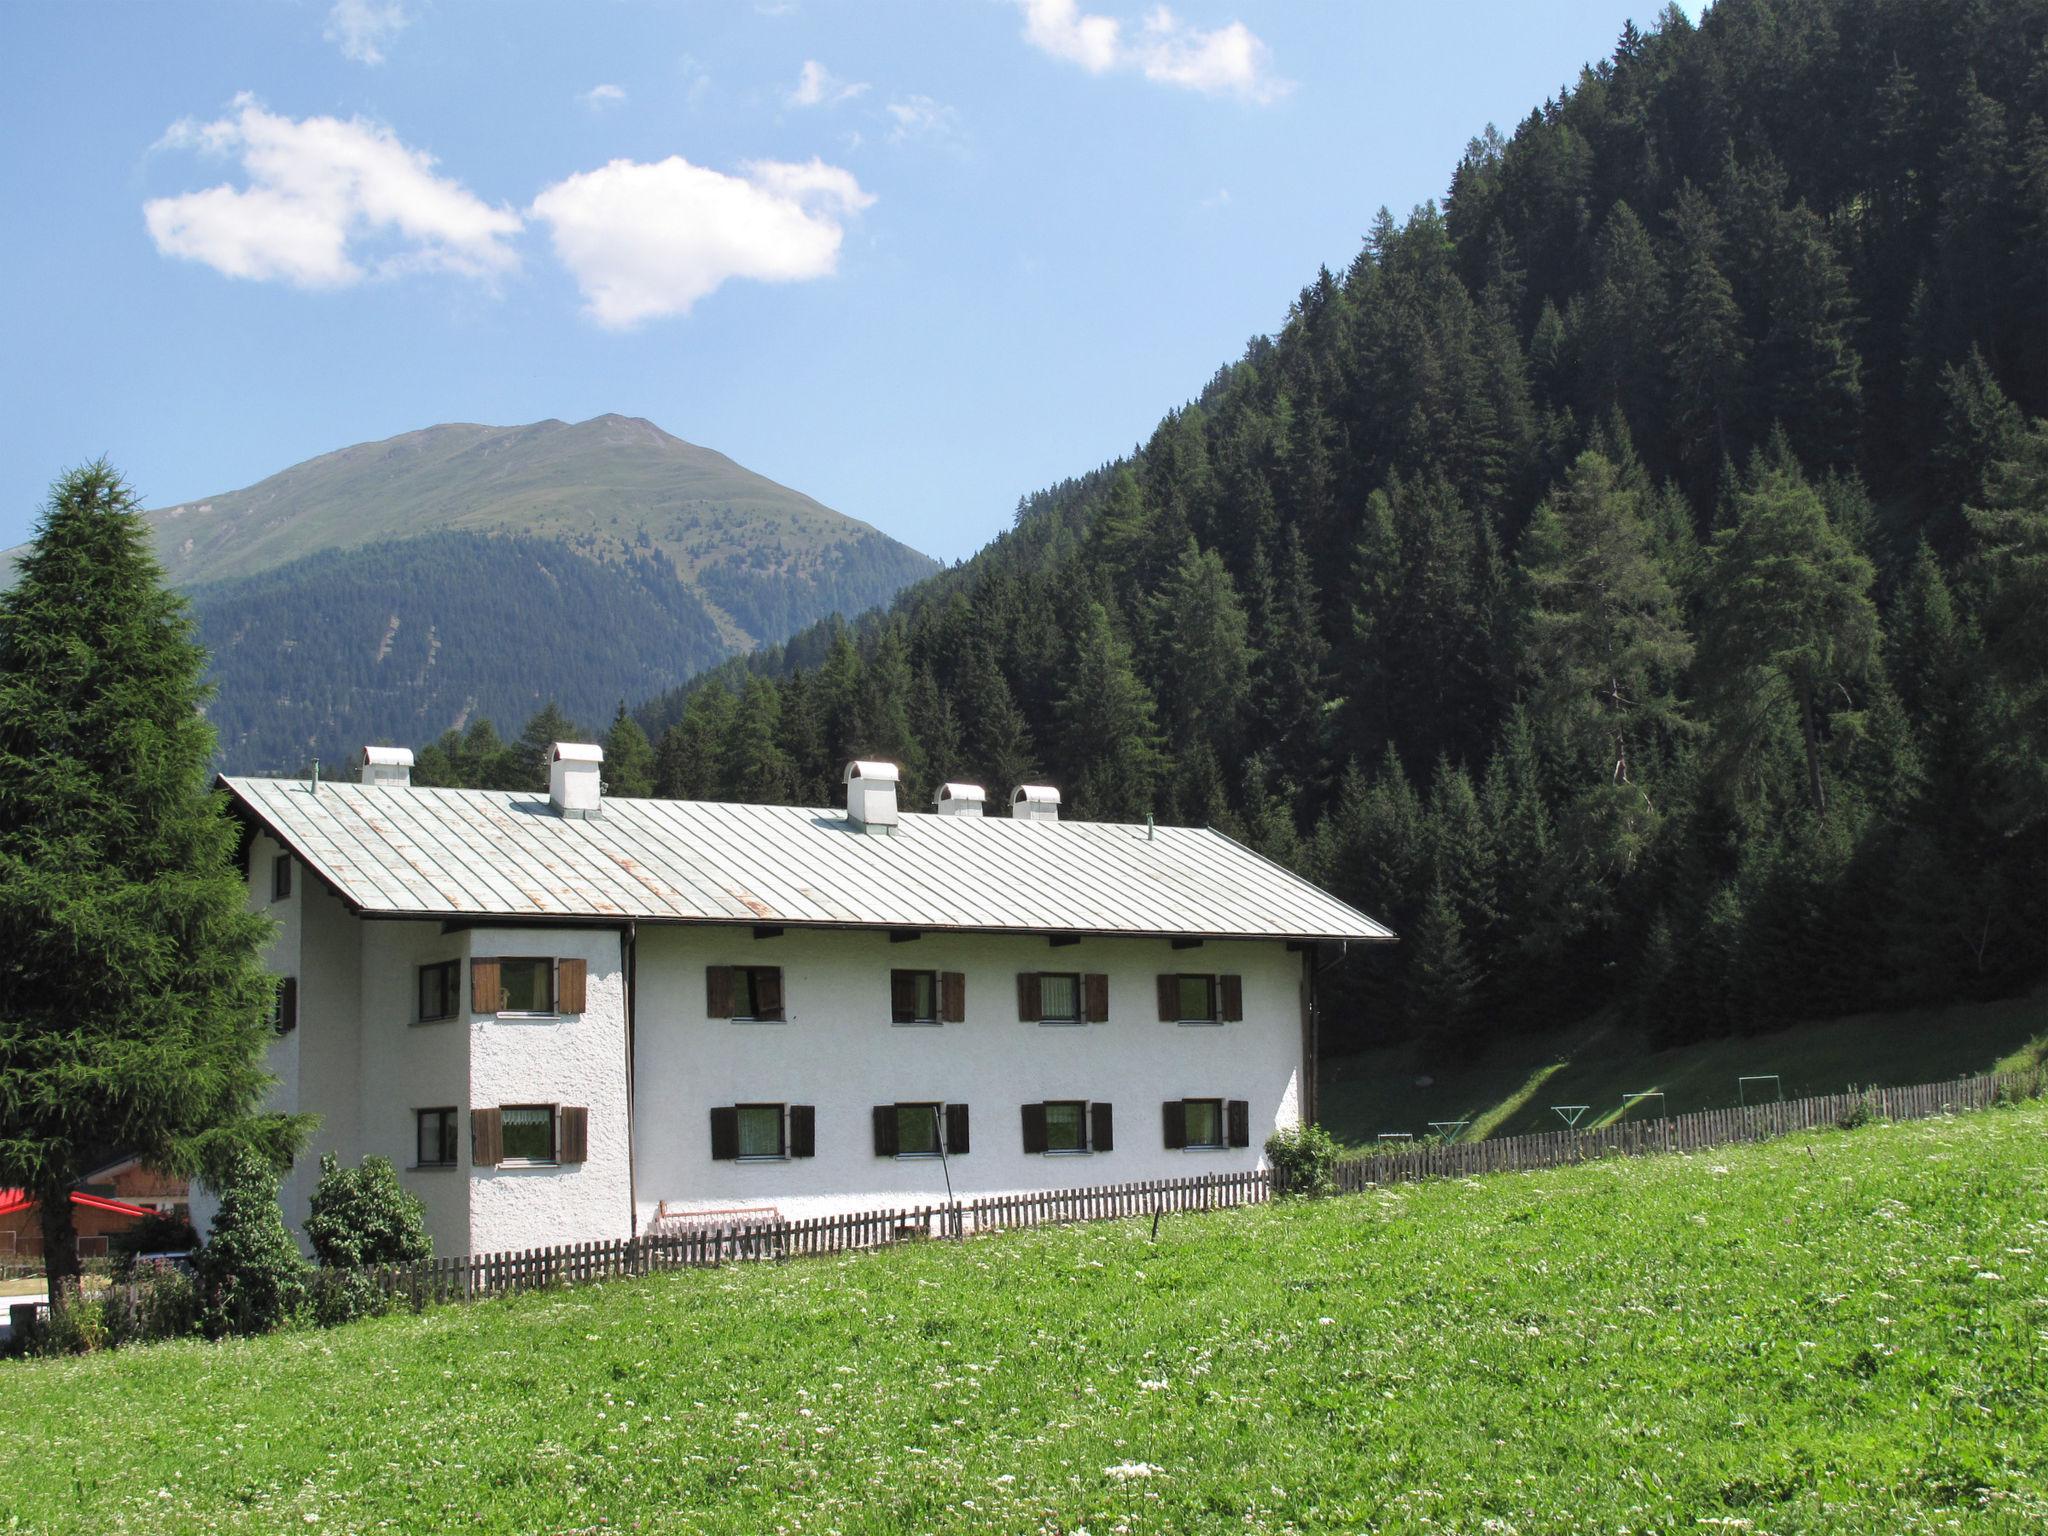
[598, 97]
[1223, 61]
[817, 86]
[648, 240]
[361, 28]
[327, 203]
[920, 116]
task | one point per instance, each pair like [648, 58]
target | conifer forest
[1627, 577]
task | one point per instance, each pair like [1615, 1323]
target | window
[917, 1130]
[1066, 1126]
[1201, 999]
[436, 1139]
[1204, 1121]
[914, 997]
[529, 1133]
[280, 877]
[284, 1009]
[760, 1130]
[1059, 998]
[525, 986]
[440, 991]
[752, 992]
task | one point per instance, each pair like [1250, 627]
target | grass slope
[1510, 1090]
[1838, 1332]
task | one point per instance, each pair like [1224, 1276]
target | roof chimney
[387, 765]
[1035, 802]
[574, 788]
[871, 794]
[960, 799]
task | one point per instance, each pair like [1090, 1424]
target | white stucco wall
[565, 1060]
[839, 1051]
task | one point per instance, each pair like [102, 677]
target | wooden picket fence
[498, 1274]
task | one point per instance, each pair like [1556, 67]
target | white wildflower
[1124, 1471]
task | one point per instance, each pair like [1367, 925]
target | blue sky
[916, 259]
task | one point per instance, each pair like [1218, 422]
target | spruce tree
[548, 726]
[628, 758]
[1107, 720]
[134, 1006]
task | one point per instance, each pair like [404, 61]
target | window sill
[916, 1157]
[509, 1017]
[757, 1021]
[434, 1168]
[916, 1023]
[521, 1163]
[1068, 1152]
[1199, 1023]
[1062, 1023]
[764, 1157]
[1210, 1146]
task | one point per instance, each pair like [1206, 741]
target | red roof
[16, 1200]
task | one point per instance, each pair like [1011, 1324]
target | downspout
[629, 941]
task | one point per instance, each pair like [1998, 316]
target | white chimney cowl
[575, 783]
[871, 793]
[960, 800]
[1035, 802]
[387, 765]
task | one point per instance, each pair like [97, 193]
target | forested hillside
[1629, 578]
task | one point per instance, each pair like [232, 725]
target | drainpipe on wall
[629, 943]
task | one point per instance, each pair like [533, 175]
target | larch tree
[134, 1007]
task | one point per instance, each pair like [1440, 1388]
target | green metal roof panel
[395, 850]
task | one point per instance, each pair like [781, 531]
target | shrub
[76, 1324]
[166, 1305]
[251, 1276]
[363, 1216]
[343, 1295]
[1305, 1158]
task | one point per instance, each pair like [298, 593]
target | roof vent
[574, 788]
[960, 799]
[1035, 802]
[387, 765]
[871, 793]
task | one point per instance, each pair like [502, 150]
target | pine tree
[1706, 351]
[628, 758]
[1205, 665]
[1790, 615]
[1107, 722]
[690, 762]
[134, 1006]
[1443, 982]
[756, 769]
[1811, 374]
[995, 737]
[548, 726]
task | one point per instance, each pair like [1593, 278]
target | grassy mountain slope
[1832, 1333]
[1510, 1090]
[395, 589]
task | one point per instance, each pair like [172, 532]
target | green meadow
[1837, 1332]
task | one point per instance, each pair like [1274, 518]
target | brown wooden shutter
[1232, 988]
[486, 1138]
[803, 1130]
[768, 992]
[1169, 999]
[571, 985]
[1240, 1123]
[956, 1129]
[718, 991]
[287, 1017]
[486, 990]
[903, 997]
[573, 1145]
[1101, 1128]
[1174, 1112]
[953, 997]
[886, 1144]
[725, 1133]
[1028, 1004]
[1034, 1127]
[1096, 989]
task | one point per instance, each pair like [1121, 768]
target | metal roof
[401, 851]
